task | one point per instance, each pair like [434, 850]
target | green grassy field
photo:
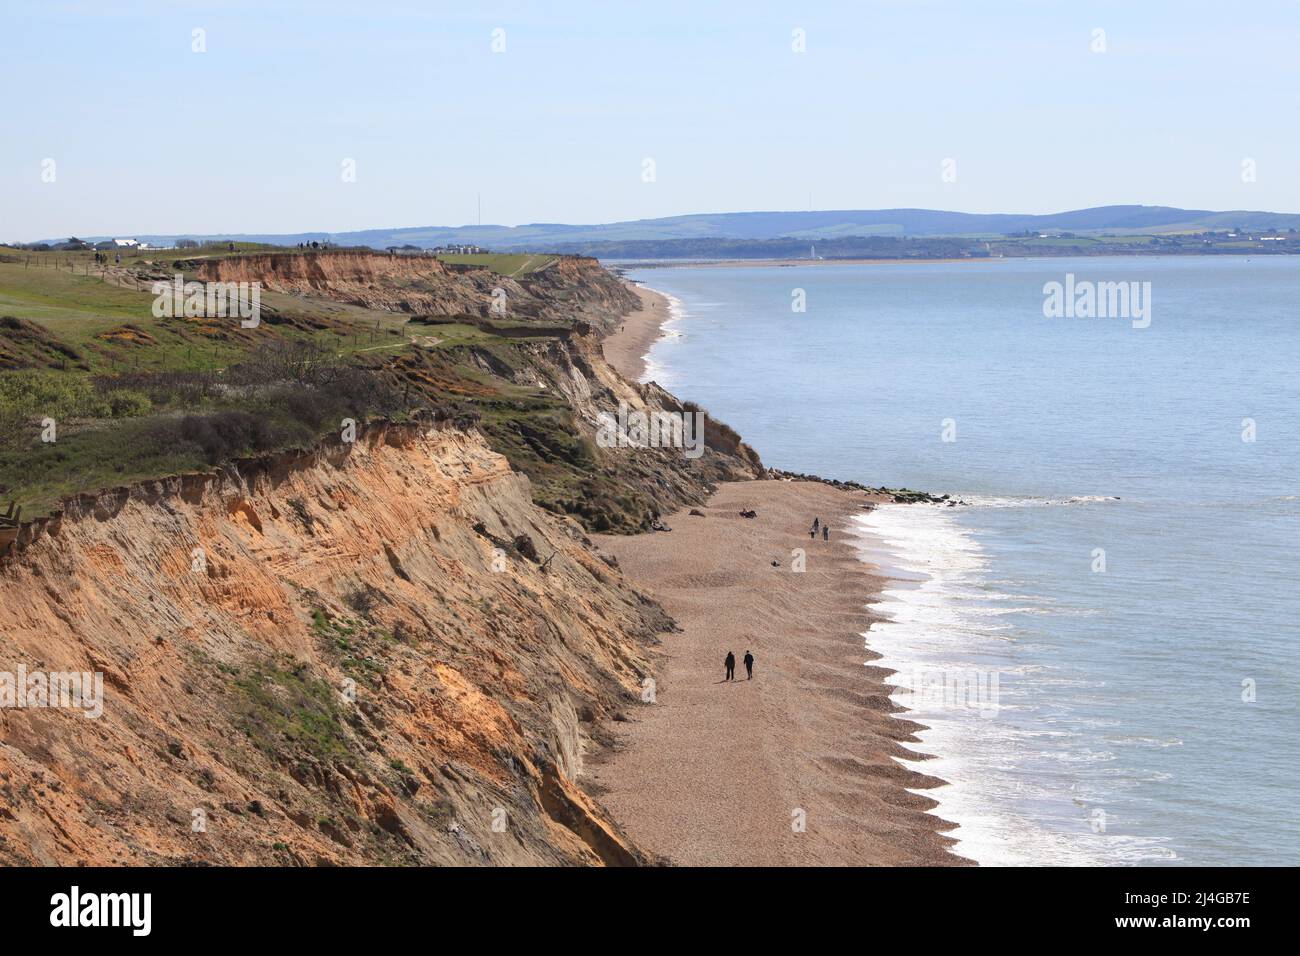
[1084, 242]
[49, 290]
[84, 311]
[502, 263]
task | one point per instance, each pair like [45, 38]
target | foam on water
[669, 332]
[1009, 784]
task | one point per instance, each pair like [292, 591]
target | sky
[340, 116]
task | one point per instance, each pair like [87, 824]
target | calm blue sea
[1146, 713]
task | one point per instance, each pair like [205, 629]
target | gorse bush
[302, 405]
[33, 392]
[125, 403]
[30, 394]
[314, 386]
[363, 599]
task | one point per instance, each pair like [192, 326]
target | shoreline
[697, 781]
[627, 347]
[762, 263]
[715, 773]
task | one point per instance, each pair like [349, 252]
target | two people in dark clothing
[825, 529]
[730, 664]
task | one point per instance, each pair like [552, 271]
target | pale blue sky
[148, 136]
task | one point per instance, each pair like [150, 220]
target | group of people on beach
[825, 529]
[730, 664]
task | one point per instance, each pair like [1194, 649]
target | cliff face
[375, 653]
[541, 398]
[393, 651]
[574, 370]
[568, 289]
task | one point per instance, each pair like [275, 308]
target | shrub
[524, 545]
[173, 387]
[125, 403]
[305, 517]
[227, 434]
[32, 392]
[303, 406]
[296, 362]
[363, 600]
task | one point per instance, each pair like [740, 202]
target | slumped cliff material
[377, 653]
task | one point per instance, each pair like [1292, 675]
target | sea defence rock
[901, 496]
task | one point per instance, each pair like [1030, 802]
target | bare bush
[294, 362]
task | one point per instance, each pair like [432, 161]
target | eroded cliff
[397, 649]
[381, 652]
[565, 290]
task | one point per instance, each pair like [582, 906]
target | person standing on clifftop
[749, 665]
[731, 666]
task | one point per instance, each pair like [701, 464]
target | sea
[1103, 638]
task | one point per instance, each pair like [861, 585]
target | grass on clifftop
[506, 264]
[96, 392]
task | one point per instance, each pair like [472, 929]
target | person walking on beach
[826, 532]
[731, 666]
[749, 665]
[816, 522]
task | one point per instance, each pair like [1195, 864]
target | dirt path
[523, 267]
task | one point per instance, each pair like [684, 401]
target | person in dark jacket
[731, 666]
[749, 665]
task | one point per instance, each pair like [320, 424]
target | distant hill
[827, 224]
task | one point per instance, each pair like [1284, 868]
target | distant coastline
[760, 263]
[623, 265]
[627, 346]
